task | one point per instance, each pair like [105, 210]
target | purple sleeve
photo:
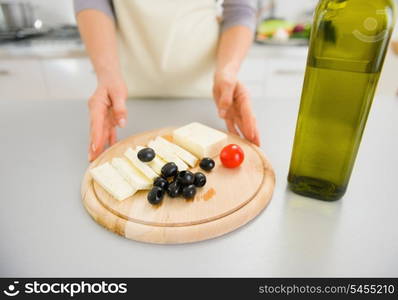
[235, 12]
[105, 6]
[239, 12]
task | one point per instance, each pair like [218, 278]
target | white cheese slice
[144, 168]
[167, 155]
[131, 174]
[200, 140]
[186, 156]
[156, 164]
[107, 176]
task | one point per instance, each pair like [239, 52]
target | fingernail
[222, 113]
[93, 147]
[122, 123]
[89, 156]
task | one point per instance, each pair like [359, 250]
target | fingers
[240, 117]
[107, 110]
[254, 135]
[256, 140]
[118, 97]
[112, 136]
[109, 136]
[98, 111]
[231, 126]
[246, 119]
[225, 96]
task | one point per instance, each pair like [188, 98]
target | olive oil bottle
[349, 40]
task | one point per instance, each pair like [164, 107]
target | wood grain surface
[230, 199]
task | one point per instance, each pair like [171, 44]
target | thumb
[118, 99]
[226, 98]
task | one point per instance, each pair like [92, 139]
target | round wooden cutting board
[230, 199]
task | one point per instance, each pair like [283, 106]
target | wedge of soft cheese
[107, 176]
[156, 164]
[142, 167]
[186, 156]
[199, 139]
[167, 155]
[131, 174]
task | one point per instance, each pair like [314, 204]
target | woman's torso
[167, 48]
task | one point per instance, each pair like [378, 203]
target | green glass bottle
[349, 40]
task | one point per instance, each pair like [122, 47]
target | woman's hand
[107, 104]
[233, 103]
[107, 110]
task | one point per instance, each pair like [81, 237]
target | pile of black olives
[176, 183]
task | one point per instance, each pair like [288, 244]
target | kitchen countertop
[57, 42]
[43, 48]
[45, 231]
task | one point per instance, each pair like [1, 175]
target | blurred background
[42, 57]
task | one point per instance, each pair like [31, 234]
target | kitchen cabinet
[252, 74]
[278, 72]
[21, 79]
[68, 78]
[274, 72]
[46, 79]
[388, 84]
[267, 71]
[253, 69]
[284, 78]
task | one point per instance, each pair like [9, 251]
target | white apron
[167, 48]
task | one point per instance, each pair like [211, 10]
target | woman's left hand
[233, 102]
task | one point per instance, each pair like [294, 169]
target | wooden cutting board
[230, 199]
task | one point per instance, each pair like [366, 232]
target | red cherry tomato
[232, 156]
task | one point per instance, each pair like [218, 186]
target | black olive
[179, 176]
[155, 196]
[200, 179]
[185, 178]
[189, 191]
[207, 164]
[146, 154]
[174, 189]
[169, 170]
[161, 182]
[176, 177]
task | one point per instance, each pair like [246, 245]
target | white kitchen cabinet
[266, 72]
[284, 78]
[388, 84]
[253, 69]
[46, 79]
[21, 79]
[275, 72]
[256, 89]
[69, 78]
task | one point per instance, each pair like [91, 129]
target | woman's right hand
[107, 111]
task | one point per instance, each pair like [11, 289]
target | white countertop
[42, 49]
[45, 230]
